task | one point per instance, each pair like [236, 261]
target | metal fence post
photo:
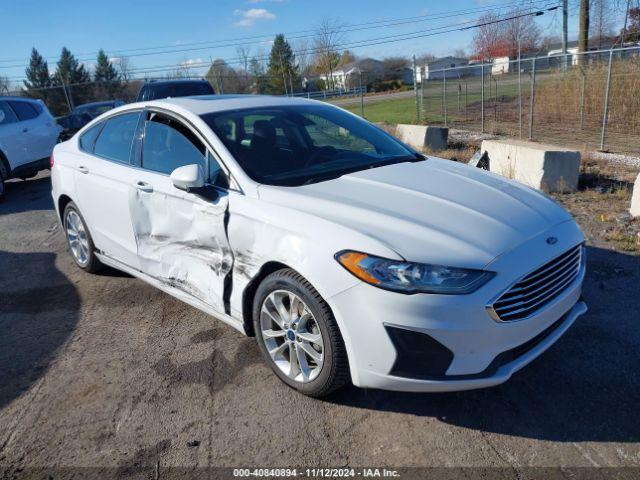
[415, 89]
[444, 95]
[533, 96]
[361, 94]
[482, 97]
[459, 94]
[606, 101]
[519, 95]
[582, 91]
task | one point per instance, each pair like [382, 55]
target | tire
[3, 176]
[82, 252]
[327, 367]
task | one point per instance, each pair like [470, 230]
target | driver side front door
[182, 239]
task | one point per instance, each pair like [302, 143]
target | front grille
[538, 288]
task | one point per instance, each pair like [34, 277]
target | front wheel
[298, 335]
[79, 239]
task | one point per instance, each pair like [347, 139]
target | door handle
[25, 130]
[144, 187]
[83, 169]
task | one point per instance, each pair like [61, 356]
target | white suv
[28, 134]
[347, 254]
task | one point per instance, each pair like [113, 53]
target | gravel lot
[103, 371]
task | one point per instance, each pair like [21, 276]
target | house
[452, 67]
[348, 76]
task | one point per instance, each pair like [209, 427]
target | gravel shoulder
[104, 371]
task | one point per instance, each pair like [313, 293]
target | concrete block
[635, 199]
[545, 167]
[423, 136]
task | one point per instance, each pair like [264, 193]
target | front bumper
[482, 351]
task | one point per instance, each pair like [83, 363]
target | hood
[436, 211]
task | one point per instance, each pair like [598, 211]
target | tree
[632, 32]
[347, 57]
[5, 85]
[282, 68]
[125, 68]
[497, 37]
[224, 78]
[106, 76]
[73, 77]
[329, 36]
[260, 81]
[583, 30]
[601, 22]
[38, 79]
[392, 67]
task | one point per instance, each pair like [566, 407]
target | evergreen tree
[74, 77]
[106, 77]
[282, 68]
[38, 78]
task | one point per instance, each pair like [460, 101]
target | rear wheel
[3, 175]
[79, 239]
[298, 335]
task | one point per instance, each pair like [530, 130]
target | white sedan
[348, 255]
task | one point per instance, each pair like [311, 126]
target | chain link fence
[589, 101]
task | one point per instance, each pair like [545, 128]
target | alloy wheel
[77, 238]
[292, 336]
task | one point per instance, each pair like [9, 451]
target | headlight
[409, 277]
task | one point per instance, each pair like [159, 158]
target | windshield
[302, 144]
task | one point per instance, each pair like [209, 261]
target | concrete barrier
[545, 167]
[423, 136]
[635, 199]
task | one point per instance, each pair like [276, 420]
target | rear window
[178, 90]
[88, 138]
[6, 114]
[24, 110]
[116, 137]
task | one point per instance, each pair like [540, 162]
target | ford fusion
[349, 256]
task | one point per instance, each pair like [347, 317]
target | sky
[84, 26]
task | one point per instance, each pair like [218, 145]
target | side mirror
[188, 177]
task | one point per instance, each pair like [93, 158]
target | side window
[114, 142]
[168, 145]
[6, 114]
[217, 176]
[24, 110]
[88, 138]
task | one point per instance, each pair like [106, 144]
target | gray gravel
[104, 371]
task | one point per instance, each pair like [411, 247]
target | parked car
[154, 90]
[348, 255]
[28, 134]
[83, 114]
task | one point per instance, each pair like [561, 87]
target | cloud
[249, 17]
[191, 62]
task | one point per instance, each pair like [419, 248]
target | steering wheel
[317, 155]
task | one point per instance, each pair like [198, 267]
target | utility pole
[583, 33]
[565, 28]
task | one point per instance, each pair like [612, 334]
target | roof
[364, 64]
[98, 104]
[177, 80]
[12, 97]
[202, 104]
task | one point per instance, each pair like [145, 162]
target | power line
[377, 41]
[225, 43]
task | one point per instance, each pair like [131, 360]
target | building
[452, 67]
[348, 76]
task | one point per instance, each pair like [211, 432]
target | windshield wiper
[322, 178]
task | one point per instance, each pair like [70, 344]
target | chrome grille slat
[568, 261]
[550, 295]
[538, 288]
[537, 293]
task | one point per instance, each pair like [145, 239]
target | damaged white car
[348, 255]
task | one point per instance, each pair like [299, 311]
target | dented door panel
[181, 238]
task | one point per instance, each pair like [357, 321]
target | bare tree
[583, 29]
[125, 68]
[602, 20]
[498, 37]
[329, 35]
[460, 53]
[5, 84]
